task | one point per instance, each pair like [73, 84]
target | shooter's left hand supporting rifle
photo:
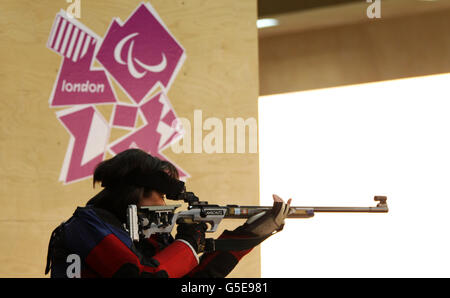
[147, 220]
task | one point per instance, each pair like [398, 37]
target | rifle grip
[210, 245]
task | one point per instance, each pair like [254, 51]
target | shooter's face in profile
[155, 198]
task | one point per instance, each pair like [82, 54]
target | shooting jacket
[105, 249]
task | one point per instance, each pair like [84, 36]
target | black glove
[194, 234]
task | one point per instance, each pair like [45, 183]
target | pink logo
[89, 133]
[125, 116]
[141, 53]
[77, 82]
[158, 132]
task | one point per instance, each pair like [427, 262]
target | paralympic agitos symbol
[143, 57]
[130, 60]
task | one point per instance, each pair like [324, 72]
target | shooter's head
[133, 177]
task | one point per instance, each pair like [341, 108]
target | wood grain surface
[219, 77]
[376, 50]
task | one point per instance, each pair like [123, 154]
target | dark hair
[170, 169]
[128, 163]
[117, 176]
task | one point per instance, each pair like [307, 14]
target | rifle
[148, 220]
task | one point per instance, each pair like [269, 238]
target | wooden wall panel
[219, 77]
[380, 49]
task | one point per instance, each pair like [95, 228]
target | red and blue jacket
[106, 250]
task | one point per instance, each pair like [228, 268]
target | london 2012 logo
[143, 58]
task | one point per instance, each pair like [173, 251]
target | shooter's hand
[194, 233]
[268, 222]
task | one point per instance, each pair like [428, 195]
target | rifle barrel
[305, 212]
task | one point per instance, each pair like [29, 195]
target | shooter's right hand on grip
[193, 233]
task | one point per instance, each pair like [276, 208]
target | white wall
[342, 146]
